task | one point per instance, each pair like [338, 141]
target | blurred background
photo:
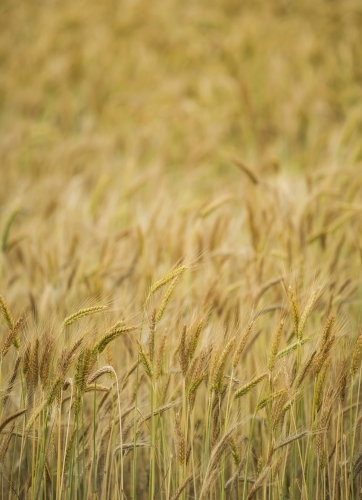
[178, 84]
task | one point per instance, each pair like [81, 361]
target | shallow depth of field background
[137, 137]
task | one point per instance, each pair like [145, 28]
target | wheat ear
[96, 375]
[12, 337]
[6, 313]
[82, 313]
[241, 346]
[180, 440]
[294, 308]
[356, 356]
[15, 415]
[163, 281]
[112, 334]
[166, 299]
[247, 387]
[182, 486]
[275, 346]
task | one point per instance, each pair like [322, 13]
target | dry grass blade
[69, 449]
[6, 232]
[247, 170]
[5, 443]
[259, 482]
[265, 288]
[182, 487]
[11, 382]
[290, 439]
[130, 446]
[211, 207]
[96, 387]
[10, 418]
[214, 460]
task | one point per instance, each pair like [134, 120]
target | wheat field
[181, 250]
